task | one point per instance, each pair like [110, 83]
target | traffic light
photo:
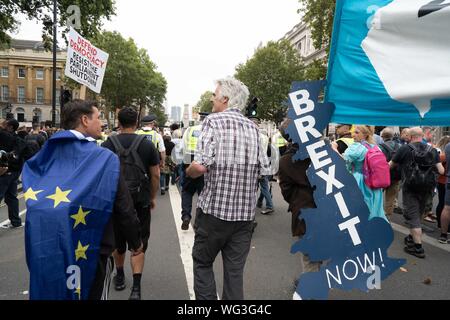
[252, 108]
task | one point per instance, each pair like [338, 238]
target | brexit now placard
[86, 64]
[390, 62]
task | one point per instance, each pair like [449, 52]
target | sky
[195, 42]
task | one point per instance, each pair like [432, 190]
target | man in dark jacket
[15, 147]
[390, 147]
[297, 191]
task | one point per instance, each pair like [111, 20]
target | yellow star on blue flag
[80, 217]
[59, 196]
[80, 251]
[31, 194]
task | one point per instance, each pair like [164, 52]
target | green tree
[131, 77]
[92, 14]
[204, 104]
[269, 75]
[319, 15]
[317, 70]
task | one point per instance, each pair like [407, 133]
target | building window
[40, 74]
[20, 114]
[20, 94]
[58, 74]
[21, 73]
[5, 72]
[40, 95]
[4, 93]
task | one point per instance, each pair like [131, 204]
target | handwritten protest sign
[86, 64]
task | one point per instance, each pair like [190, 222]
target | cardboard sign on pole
[86, 64]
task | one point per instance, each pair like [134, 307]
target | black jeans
[233, 239]
[188, 189]
[8, 190]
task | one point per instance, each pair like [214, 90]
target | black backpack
[420, 174]
[132, 168]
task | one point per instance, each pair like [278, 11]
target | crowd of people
[226, 161]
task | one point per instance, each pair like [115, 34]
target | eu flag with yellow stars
[69, 189]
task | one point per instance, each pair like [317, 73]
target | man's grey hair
[387, 133]
[236, 92]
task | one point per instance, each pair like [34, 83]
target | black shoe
[259, 205]
[409, 241]
[167, 188]
[185, 224]
[443, 238]
[163, 192]
[119, 282]
[419, 253]
[135, 294]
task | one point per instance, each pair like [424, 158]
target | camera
[6, 158]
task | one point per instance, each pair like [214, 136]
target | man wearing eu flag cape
[74, 192]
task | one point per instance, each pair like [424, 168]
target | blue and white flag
[390, 62]
[70, 187]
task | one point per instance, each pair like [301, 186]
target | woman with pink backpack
[368, 165]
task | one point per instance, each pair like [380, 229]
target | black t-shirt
[403, 156]
[38, 138]
[147, 151]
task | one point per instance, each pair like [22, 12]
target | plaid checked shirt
[230, 148]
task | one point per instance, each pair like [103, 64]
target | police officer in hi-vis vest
[148, 129]
[344, 137]
[190, 186]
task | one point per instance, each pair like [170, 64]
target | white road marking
[186, 239]
[4, 223]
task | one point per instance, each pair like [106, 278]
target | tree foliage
[269, 75]
[131, 78]
[319, 15]
[204, 104]
[92, 14]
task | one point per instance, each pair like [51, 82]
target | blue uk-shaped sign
[353, 248]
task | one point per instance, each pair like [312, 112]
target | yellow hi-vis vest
[151, 135]
[191, 139]
[347, 141]
[102, 139]
[279, 141]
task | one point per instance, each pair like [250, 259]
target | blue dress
[354, 159]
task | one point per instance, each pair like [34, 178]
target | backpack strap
[117, 145]
[133, 149]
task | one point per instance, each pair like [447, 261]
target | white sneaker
[10, 226]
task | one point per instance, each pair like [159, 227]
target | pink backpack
[376, 169]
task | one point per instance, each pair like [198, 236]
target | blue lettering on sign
[338, 231]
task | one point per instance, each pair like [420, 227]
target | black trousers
[188, 190]
[233, 239]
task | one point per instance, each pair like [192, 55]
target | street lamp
[54, 65]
